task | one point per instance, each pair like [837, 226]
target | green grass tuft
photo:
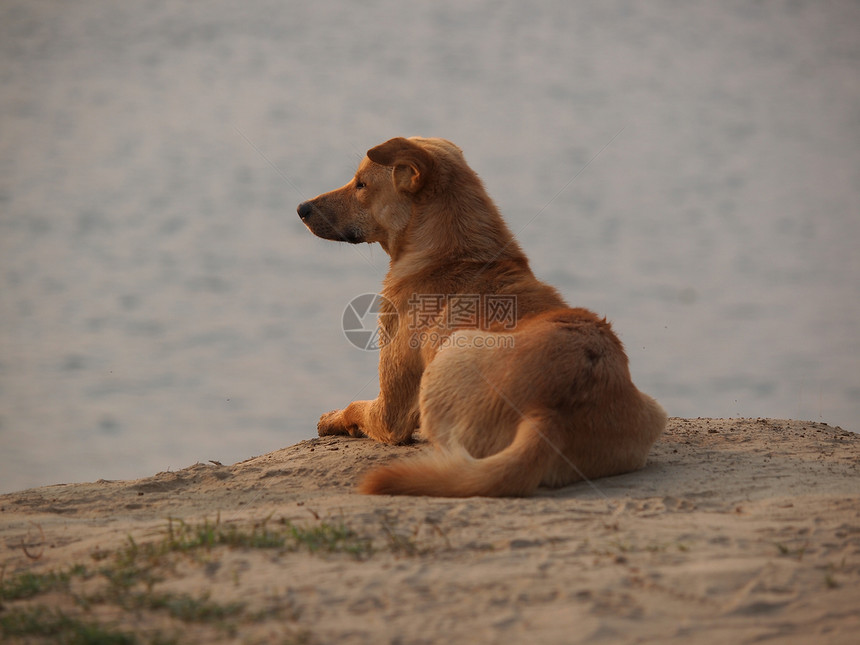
[283, 536]
[54, 624]
[186, 608]
[28, 585]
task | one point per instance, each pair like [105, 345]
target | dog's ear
[412, 164]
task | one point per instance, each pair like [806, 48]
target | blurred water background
[691, 170]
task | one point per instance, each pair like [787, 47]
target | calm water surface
[691, 171]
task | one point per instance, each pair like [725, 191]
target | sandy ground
[738, 530]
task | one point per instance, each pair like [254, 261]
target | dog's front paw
[332, 423]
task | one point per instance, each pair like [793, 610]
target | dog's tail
[515, 471]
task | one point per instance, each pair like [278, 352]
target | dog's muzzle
[320, 225]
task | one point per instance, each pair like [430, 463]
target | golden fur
[544, 399]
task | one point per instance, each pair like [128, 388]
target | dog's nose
[304, 209]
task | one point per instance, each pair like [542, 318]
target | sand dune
[737, 531]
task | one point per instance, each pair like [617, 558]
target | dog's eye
[359, 184]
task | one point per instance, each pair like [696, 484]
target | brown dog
[515, 389]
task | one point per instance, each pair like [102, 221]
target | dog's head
[377, 204]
